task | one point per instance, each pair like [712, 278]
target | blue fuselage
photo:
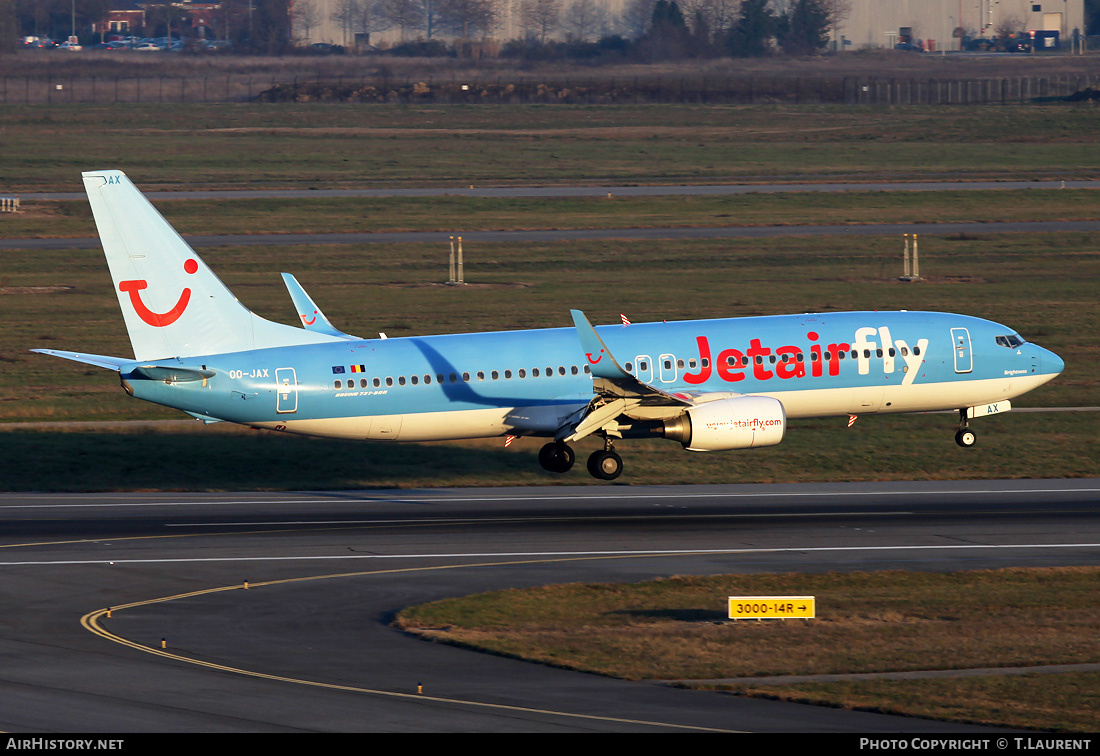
[816, 364]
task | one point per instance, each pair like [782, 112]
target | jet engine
[742, 422]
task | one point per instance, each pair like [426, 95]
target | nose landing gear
[965, 437]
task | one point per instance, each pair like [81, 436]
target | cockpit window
[1011, 341]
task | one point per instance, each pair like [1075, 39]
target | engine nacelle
[743, 422]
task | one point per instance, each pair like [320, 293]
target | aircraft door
[668, 368]
[964, 358]
[643, 368]
[286, 388]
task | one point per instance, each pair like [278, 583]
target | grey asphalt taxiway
[308, 644]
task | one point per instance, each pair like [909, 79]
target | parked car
[148, 47]
[70, 46]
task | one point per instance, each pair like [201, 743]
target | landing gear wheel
[555, 457]
[605, 465]
[966, 438]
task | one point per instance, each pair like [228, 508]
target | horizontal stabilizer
[173, 373]
[99, 360]
[205, 418]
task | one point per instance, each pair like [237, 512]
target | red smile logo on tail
[158, 319]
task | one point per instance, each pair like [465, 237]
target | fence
[849, 90]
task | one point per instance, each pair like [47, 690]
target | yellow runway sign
[771, 607]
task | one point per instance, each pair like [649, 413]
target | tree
[804, 30]
[752, 34]
[344, 13]
[9, 27]
[405, 15]
[55, 17]
[307, 17]
[636, 17]
[469, 17]
[270, 26]
[581, 20]
[839, 11]
[541, 16]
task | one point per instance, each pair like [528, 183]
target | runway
[308, 645]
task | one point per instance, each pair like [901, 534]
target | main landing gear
[604, 463]
[965, 437]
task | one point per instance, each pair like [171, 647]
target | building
[880, 23]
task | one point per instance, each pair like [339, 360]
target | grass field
[258, 146]
[53, 219]
[675, 629]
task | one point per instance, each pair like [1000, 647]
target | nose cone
[1051, 363]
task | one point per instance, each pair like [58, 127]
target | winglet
[312, 317]
[600, 360]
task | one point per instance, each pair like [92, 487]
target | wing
[617, 392]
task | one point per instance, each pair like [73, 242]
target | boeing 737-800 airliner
[711, 385]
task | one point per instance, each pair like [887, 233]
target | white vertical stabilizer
[173, 304]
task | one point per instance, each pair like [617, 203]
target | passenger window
[522, 373]
[481, 375]
[389, 381]
[400, 380]
[377, 382]
[507, 374]
[415, 380]
[337, 384]
[534, 372]
[466, 377]
[495, 375]
[574, 371]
